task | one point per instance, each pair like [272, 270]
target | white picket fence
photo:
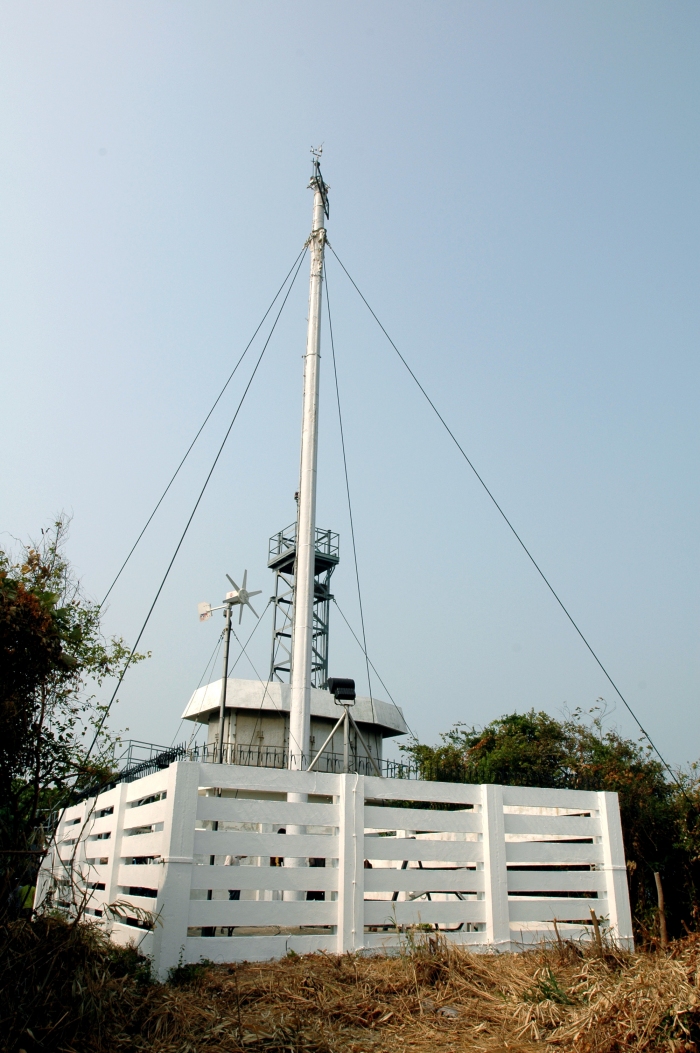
[492, 867]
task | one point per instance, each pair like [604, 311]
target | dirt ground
[67, 989]
[434, 998]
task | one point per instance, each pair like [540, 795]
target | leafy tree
[52, 657]
[659, 815]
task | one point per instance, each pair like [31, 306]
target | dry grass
[429, 1000]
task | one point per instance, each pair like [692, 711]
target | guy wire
[201, 429]
[359, 643]
[210, 662]
[109, 705]
[509, 524]
[347, 484]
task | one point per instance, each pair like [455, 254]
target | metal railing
[327, 542]
[138, 759]
[278, 757]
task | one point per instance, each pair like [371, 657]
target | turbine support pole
[224, 684]
[303, 624]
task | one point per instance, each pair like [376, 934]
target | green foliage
[52, 658]
[127, 962]
[548, 989]
[659, 815]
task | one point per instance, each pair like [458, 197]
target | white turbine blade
[245, 579]
[249, 604]
[233, 583]
[240, 614]
[256, 593]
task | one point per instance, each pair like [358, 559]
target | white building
[256, 727]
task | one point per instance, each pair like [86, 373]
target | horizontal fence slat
[91, 805]
[390, 941]
[92, 825]
[279, 813]
[255, 948]
[389, 879]
[124, 935]
[268, 780]
[145, 814]
[539, 932]
[140, 845]
[154, 783]
[400, 848]
[311, 944]
[235, 948]
[139, 902]
[564, 825]
[149, 875]
[91, 871]
[552, 852]
[76, 811]
[542, 909]
[246, 843]
[408, 790]
[94, 899]
[423, 911]
[536, 797]
[267, 912]
[274, 878]
[387, 818]
[68, 852]
[67, 826]
[131, 827]
[556, 881]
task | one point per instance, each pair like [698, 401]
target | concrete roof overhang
[273, 697]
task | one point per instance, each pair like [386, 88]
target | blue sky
[513, 186]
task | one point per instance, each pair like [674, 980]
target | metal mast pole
[302, 626]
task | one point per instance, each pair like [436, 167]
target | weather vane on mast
[316, 182]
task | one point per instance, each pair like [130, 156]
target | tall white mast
[302, 625]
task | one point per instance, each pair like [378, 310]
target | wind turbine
[240, 598]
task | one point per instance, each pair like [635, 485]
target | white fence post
[112, 884]
[620, 917]
[351, 863]
[495, 871]
[173, 905]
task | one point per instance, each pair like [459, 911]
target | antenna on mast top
[316, 182]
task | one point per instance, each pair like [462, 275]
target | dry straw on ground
[431, 998]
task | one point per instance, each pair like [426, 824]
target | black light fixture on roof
[342, 689]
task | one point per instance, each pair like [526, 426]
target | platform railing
[278, 757]
[137, 759]
[327, 542]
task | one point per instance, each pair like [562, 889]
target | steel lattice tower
[281, 560]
